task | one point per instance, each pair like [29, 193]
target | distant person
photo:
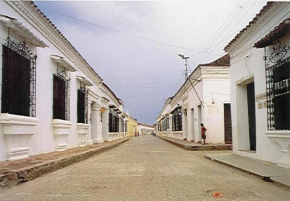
[138, 133]
[203, 130]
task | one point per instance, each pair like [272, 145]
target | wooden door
[227, 123]
[252, 115]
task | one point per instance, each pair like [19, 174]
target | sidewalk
[19, 171]
[262, 169]
[192, 146]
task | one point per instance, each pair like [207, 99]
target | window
[278, 88]
[165, 123]
[113, 120]
[18, 79]
[81, 108]
[177, 120]
[125, 126]
[60, 95]
[281, 100]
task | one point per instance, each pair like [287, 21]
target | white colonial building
[145, 129]
[203, 98]
[260, 83]
[51, 98]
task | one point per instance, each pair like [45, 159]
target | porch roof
[279, 31]
[63, 62]
[21, 30]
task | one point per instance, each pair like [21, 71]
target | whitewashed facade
[37, 60]
[145, 129]
[260, 72]
[206, 103]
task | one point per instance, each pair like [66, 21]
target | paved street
[146, 168]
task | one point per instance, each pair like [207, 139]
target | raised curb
[262, 177]
[14, 177]
[212, 147]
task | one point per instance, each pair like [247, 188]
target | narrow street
[146, 168]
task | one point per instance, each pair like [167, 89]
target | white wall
[247, 65]
[43, 140]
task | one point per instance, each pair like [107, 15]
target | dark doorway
[228, 123]
[252, 115]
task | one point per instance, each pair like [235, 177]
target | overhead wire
[118, 31]
[219, 35]
[216, 35]
[258, 37]
[235, 25]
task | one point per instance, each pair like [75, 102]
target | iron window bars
[18, 79]
[113, 120]
[177, 119]
[61, 94]
[278, 87]
[82, 105]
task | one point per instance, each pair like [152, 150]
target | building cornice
[107, 92]
[33, 16]
[247, 34]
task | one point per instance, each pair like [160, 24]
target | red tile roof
[262, 11]
[62, 36]
[56, 29]
[279, 31]
[118, 99]
[223, 61]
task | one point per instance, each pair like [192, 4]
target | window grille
[177, 120]
[18, 79]
[82, 105]
[278, 87]
[110, 121]
[61, 96]
[113, 121]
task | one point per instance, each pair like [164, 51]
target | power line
[130, 87]
[229, 23]
[143, 95]
[122, 32]
[238, 22]
[219, 28]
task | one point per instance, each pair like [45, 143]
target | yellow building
[132, 126]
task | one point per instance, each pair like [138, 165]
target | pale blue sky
[141, 71]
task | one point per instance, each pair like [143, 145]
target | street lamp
[186, 76]
[186, 70]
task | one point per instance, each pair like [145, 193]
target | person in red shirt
[203, 130]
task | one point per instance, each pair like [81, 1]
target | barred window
[281, 100]
[18, 79]
[81, 106]
[177, 120]
[113, 121]
[278, 87]
[59, 97]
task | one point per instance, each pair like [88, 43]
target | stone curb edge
[14, 178]
[264, 178]
[198, 148]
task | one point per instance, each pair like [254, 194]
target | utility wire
[130, 87]
[122, 32]
[229, 23]
[218, 29]
[235, 24]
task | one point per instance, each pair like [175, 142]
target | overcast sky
[134, 46]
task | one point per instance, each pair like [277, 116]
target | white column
[190, 125]
[95, 124]
[184, 126]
